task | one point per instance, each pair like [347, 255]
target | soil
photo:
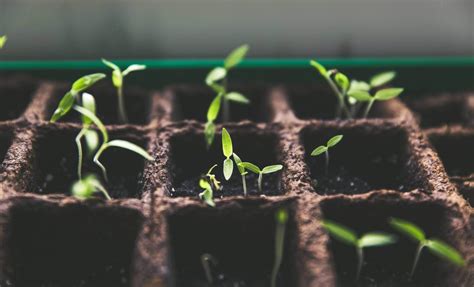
[16, 94]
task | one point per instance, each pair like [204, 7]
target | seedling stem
[281, 218]
[325, 149]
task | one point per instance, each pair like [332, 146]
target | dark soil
[15, 95]
[340, 183]
[5, 141]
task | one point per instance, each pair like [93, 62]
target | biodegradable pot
[155, 229]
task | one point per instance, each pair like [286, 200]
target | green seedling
[105, 140]
[3, 40]
[380, 95]
[207, 260]
[207, 194]
[227, 150]
[347, 236]
[325, 149]
[86, 187]
[266, 170]
[212, 178]
[281, 218]
[436, 246]
[69, 99]
[217, 80]
[242, 172]
[117, 80]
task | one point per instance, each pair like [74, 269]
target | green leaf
[131, 147]
[88, 102]
[207, 194]
[376, 239]
[82, 189]
[64, 106]
[228, 168]
[445, 251]
[86, 82]
[340, 232]
[359, 86]
[250, 166]
[281, 216]
[133, 68]
[95, 120]
[237, 97]
[408, 228]
[215, 75]
[237, 161]
[387, 94]
[3, 40]
[360, 96]
[342, 81]
[272, 168]
[236, 56]
[227, 149]
[382, 78]
[110, 65]
[334, 141]
[214, 108]
[319, 150]
[209, 133]
[219, 89]
[92, 140]
[321, 69]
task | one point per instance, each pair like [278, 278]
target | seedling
[68, 100]
[266, 170]
[380, 95]
[347, 236]
[207, 260]
[207, 195]
[242, 172]
[325, 149]
[436, 246]
[105, 140]
[281, 218]
[227, 150]
[86, 187]
[117, 80]
[217, 80]
[212, 178]
[3, 40]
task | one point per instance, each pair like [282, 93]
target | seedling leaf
[64, 107]
[445, 251]
[387, 94]
[319, 150]
[382, 78]
[376, 239]
[92, 140]
[408, 228]
[215, 75]
[86, 82]
[214, 108]
[359, 86]
[228, 168]
[111, 65]
[226, 143]
[236, 56]
[359, 95]
[238, 161]
[207, 194]
[133, 68]
[334, 141]
[250, 166]
[131, 147]
[342, 81]
[341, 232]
[321, 69]
[237, 97]
[3, 40]
[209, 133]
[95, 120]
[88, 102]
[272, 168]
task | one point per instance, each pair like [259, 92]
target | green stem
[102, 148]
[279, 245]
[260, 175]
[340, 97]
[360, 261]
[367, 109]
[104, 191]
[327, 160]
[121, 106]
[79, 151]
[417, 257]
[244, 184]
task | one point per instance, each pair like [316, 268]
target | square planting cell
[15, 96]
[190, 161]
[48, 245]
[56, 161]
[137, 105]
[367, 158]
[388, 265]
[192, 103]
[241, 240]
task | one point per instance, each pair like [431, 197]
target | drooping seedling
[381, 95]
[281, 218]
[208, 261]
[325, 149]
[117, 79]
[347, 236]
[3, 40]
[260, 172]
[217, 80]
[436, 246]
[212, 178]
[207, 194]
[86, 187]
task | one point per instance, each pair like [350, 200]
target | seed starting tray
[411, 160]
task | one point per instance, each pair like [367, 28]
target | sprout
[242, 172]
[206, 261]
[217, 80]
[347, 236]
[266, 170]
[117, 80]
[86, 187]
[325, 149]
[227, 150]
[382, 79]
[3, 40]
[437, 247]
[108, 144]
[207, 194]
[281, 218]
[380, 95]
[80, 85]
[212, 178]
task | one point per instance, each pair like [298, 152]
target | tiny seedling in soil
[325, 149]
[347, 236]
[227, 150]
[208, 261]
[207, 194]
[260, 172]
[3, 40]
[380, 95]
[436, 246]
[217, 80]
[281, 218]
[117, 80]
[86, 187]
[212, 178]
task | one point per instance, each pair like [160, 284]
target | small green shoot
[117, 80]
[86, 187]
[212, 178]
[227, 150]
[68, 100]
[281, 218]
[242, 172]
[437, 247]
[382, 79]
[347, 236]
[207, 194]
[266, 170]
[3, 40]
[325, 149]
[206, 261]
[380, 95]
[217, 80]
